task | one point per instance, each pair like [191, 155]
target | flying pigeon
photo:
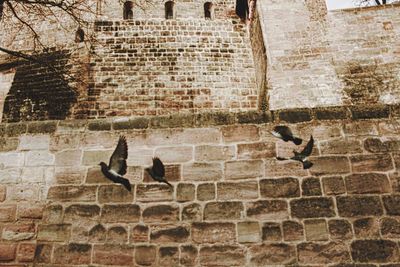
[157, 171]
[303, 155]
[284, 133]
[117, 166]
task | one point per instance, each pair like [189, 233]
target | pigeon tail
[280, 158]
[165, 181]
[126, 184]
[307, 164]
[297, 141]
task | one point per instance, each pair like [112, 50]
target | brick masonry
[232, 203]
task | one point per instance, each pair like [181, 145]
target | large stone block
[202, 171]
[243, 190]
[392, 204]
[367, 183]
[259, 150]
[168, 256]
[145, 255]
[203, 232]
[120, 213]
[237, 133]
[329, 165]
[374, 251]
[366, 228]
[161, 213]
[177, 154]
[323, 253]
[72, 253]
[115, 193]
[312, 207]
[223, 211]
[188, 257]
[205, 192]
[72, 193]
[26, 252]
[280, 188]
[316, 230]
[81, 213]
[272, 254]
[340, 229]
[154, 193]
[169, 234]
[54, 232]
[117, 235]
[267, 210]
[214, 153]
[39, 158]
[390, 228]
[121, 255]
[18, 232]
[244, 169]
[68, 158]
[185, 192]
[248, 232]
[7, 212]
[221, 255]
[376, 162]
[7, 252]
[34, 142]
[292, 231]
[349, 206]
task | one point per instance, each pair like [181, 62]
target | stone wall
[232, 203]
[321, 58]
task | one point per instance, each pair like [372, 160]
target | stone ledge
[205, 119]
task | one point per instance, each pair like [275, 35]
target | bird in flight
[157, 171]
[284, 133]
[117, 166]
[303, 155]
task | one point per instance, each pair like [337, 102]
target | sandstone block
[341, 147]
[7, 212]
[161, 213]
[223, 210]
[7, 252]
[120, 213]
[205, 192]
[139, 233]
[10, 176]
[376, 162]
[329, 165]
[177, 154]
[53, 214]
[145, 255]
[72, 193]
[97, 234]
[244, 169]
[39, 158]
[24, 192]
[390, 228]
[82, 213]
[54, 232]
[26, 252]
[311, 187]
[3, 193]
[117, 235]
[392, 204]
[376, 145]
[271, 231]
[323, 253]
[43, 253]
[340, 229]
[95, 176]
[154, 193]
[115, 193]
[292, 231]
[202, 171]
[316, 230]
[272, 254]
[192, 212]
[169, 234]
[94, 157]
[377, 251]
[312, 207]
[68, 158]
[168, 256]
[188, 256]
[274, 168]
[236, 133]
[333, 185]
[259, 150]
[18, 232]
[34, 142]
[280, 188]
[214, 153]
[243, 190]
[248, 232]
[172, 174]
[121, 255]
[203, 232]
[359, 206]
[185, 192]
[366, 228]
[221, 255]
[267, 210]
[30, 211]
[367, 183]
[72, 254]
[12, 159]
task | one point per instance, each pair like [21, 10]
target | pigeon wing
[308, 148]
[158, 167]
[118, 158]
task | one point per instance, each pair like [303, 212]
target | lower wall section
[232, 203]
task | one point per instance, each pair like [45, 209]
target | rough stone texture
[379, 251]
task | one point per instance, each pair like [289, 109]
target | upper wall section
[320, 58]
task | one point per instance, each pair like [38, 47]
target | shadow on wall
[41, 90]
[369, 82]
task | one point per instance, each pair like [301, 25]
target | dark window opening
[169, 10]
[79, 36]
[208, 10]
[242, 9]
[128, 13]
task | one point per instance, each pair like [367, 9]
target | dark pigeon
[303, 155]
[284, 133]
[157, 171]
[117, 166]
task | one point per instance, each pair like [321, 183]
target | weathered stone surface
[117, 235]
[10, 159]
[237, 133]
[267, 210]
[378, 251]
[359, 206]
[271, 231]
[192, 212]
[333, 185]
[377, 145]
[390, 228]
[392, 204]
[7, 212]
[72, 254]
[272, 254]
[120, 213]
[54, 232]
[168, 256]
[172, 174]
[214, 153]
[248, 232]
[329, 165]
[322, 253]
[97, 234]
[161, 213]
[222, 256]
[205, 192]
[52, 214]
[114, 193]
[203, 232]
[83, 213]
[145, 255]
[139, 233]
[175, 154]
[316, 230]
[369, 112]
[185, 192]
[340, 229]
[312, 207]
[311, 187]
[43, 253]
[135, 123]
[99, 125]
[68, 158]
[70, 175]
[154, 192]
[244, 169]
[3, 193]
[72, 193]
[367, 183]
[169, 234]
[223, 210]
[202, 171]
[259, 150]
[188, 257]
[280, 188]
[7, 252]
[94, 157]
[376, 162]
[8, 144]
[18, 232]
[243, 190]
[295, 115]
[275, 168]
[34, 142]
[39, 158]
[121, 255]
[42, 127]
[367, 228]
[30, 211]
[341, 147]
[26, 252]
